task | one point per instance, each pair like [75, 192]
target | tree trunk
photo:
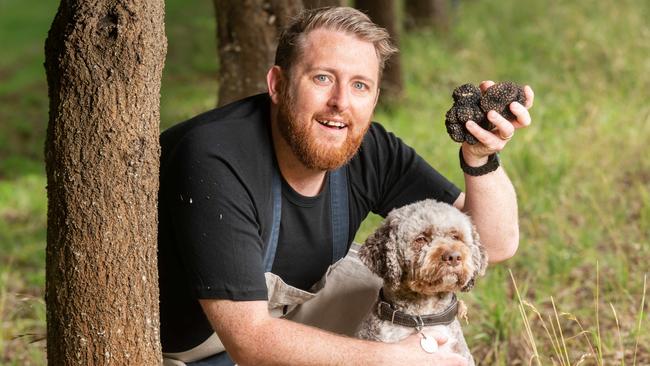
[384, 13]
[103, 60]
[313, 4]
[427, 13]
[247, 33]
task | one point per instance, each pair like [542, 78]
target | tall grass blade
[618, 332]
[529, 332]
[638, 329]
[585, 334]
[599, 343]
[559, 327]
[555, 341]
[4, 275]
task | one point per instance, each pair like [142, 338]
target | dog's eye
[421, 240]
[456, 235]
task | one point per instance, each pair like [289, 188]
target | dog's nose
[452, 258]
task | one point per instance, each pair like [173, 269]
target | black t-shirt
[215, 211]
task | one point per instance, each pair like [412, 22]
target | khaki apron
[337, 303]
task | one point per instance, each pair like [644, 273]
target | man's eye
[359, 85]
[322, 78]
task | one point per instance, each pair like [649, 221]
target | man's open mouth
[332, 124]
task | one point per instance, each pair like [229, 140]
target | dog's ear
[479, 257]
[379, 253]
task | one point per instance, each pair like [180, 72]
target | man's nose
[339, 98]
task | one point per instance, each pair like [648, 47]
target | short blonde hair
[343, 19]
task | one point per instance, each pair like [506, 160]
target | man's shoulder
[379, 149]
[246, 115]
[377, 139]
[236, 134]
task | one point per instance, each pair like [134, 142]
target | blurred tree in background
[384, 13]
[247, 33]
[312, 4]
[427, 13]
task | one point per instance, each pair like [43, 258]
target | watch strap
[491, 165]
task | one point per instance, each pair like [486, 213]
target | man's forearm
[252, 337]
[491, 201]
[282, 342]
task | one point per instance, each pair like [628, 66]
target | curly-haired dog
[424, 252]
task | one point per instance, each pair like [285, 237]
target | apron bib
[337, 303]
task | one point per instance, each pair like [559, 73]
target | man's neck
[307, 182]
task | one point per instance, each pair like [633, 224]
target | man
[220, 207]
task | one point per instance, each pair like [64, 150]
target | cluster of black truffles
[469, 104]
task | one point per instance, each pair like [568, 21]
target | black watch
[492, 164]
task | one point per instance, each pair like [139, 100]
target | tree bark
[313, 4]
[104, 61]
[427, 13]
[384, 13]
[247, 33]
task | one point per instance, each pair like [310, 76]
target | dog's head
[425, 248]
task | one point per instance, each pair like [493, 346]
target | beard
[312, 153]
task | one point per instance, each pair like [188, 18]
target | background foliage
[582, 170]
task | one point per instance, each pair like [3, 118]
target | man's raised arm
[490, 199]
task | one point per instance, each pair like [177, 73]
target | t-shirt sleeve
[404, 176]
[215, 225]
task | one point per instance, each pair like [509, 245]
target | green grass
[582, 170]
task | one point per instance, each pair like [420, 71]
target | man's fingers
[528, 92]
[530, 96]
[440, 338]
[450, 359]
[484, 136]
[522, 114]
[505, 129]
[491, 141]
[484, 85]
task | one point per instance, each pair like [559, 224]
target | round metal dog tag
[429, 345]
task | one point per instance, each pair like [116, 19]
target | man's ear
[274, 79]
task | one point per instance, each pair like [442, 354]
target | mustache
[344, 117]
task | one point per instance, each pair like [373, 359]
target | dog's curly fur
[410, 251]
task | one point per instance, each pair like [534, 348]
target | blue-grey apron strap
[340, 213]
[220, 359]
[272, 243]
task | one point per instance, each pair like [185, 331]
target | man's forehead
[338, 49]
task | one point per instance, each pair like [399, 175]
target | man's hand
[252, 337]
[491, 142]
[413, 348]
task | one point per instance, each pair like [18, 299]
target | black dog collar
[386, 311]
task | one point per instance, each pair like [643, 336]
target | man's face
[328, 99]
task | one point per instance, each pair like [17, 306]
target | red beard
[312, 153]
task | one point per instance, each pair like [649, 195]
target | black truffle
[467, 93]
[499, 96]
[469, 104]
[466, 107]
